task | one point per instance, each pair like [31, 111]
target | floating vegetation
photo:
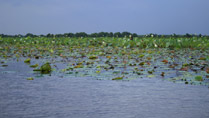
[165, 61]
[27, 60]
[4, 65]
[198, 78]
[34, 66]
[182, 60]
[150, 76]
[30, 78]
[45, 68]
[118, 78]
[93, 57]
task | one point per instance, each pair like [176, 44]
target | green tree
[134, 35]
[188, 35]
[50, 35]
[81, 34]
[69, 35]
[30, 35]
[110, 34]
[117, 34]
[93, 35]
[125, 34]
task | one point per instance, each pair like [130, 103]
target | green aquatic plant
[142, 63]
[4, 65]
[202, 58]
[150, 76]
[27, 60]
[78, 66]
[34, 66]
[104, 57]
[198, 78]
[93, 57]
[141, 56]
[118, 78]
[30, 78]
[45, 68]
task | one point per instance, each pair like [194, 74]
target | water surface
[85, 97]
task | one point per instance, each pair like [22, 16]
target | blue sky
[136, 16]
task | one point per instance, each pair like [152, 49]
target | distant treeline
[104, 34]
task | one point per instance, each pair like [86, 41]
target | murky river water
[68, 97]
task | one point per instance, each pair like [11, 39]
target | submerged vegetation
[183, 60]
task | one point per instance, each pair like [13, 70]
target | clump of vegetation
[27, 60]
[30, 78]
[34, 66]
[93, 57]
[198, 78]
[45, 68]
[153, 56]
[118, 78]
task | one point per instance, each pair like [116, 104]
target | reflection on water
[68, 97]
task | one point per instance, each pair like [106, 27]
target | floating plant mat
[106, 59]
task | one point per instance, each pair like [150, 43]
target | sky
[135, 16]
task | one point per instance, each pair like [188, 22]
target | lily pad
[45, 68]
[141, 56]
[207, 70]
[151, 76]
[98, 71]
[78, 66]
[202, 58]
[4, 65]
[93, 57]
[30, 78]
[198, 78]
[165, 61]
[34, 66]
[118, 78]
[142, 63]
[27, 60]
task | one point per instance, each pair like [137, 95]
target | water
[82, 97]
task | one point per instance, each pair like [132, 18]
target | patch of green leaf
[118, 78]
[198, 78]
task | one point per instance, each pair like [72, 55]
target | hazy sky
[136, 16]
